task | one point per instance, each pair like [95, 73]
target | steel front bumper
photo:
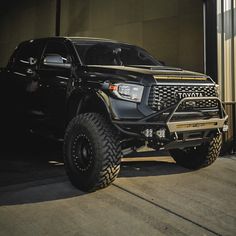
[198, 124]
[167, 119]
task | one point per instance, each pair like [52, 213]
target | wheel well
[85, 104]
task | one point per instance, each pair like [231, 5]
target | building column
[226, 61]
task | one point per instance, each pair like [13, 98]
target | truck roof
[91, 39]
[76, 39]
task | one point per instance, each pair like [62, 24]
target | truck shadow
[32, 171]
[30, 158]
[151, 163]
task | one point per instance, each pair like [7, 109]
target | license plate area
[197, 125]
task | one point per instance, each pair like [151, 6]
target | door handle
[29, 71]
[32, 74]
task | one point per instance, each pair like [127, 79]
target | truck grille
[164, 96]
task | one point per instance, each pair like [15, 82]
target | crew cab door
[23, 77]
[53, 83]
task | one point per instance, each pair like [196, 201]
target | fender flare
[78, 99]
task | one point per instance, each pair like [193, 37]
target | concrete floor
[152, 196]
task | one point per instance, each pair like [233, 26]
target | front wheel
[92, 152]
[200, 156]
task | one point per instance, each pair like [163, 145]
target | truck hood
[145, 74]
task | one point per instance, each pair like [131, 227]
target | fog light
[225, 128]
[148, 133]
[161, 133]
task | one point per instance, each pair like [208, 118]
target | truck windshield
[113, 54]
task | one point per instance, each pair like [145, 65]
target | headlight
[130, 92]
[217, 89]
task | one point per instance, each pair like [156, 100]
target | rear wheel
[92, 152]
[200, 156]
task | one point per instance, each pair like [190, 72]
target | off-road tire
[93, 133]
[199, 157]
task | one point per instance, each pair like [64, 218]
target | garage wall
[22, 20]
[226, 38]
[226, 49]
[171, 30]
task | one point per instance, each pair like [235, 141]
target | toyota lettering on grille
[181, 95]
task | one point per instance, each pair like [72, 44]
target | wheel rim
[82, 155]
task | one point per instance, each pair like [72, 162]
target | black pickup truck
[106, 99]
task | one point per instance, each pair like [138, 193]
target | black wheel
[92, 152]
[200, 156]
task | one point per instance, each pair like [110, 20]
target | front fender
[100, 102]
[120, 109]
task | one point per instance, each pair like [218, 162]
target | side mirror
[30, 61]
[56, 60]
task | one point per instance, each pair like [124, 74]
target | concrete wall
[171, 30]
[24, 20]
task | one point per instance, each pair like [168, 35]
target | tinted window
[29, 52]
[57, 48]
[113, 54]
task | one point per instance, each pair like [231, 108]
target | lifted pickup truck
[107, 99]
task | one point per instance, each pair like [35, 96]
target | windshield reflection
[114, 54]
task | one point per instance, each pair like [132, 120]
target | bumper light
[161, 133]
[148, 133]
[225, 128]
